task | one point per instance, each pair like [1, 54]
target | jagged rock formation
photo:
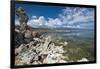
[39, 51]
[32, 47]
[23, 19]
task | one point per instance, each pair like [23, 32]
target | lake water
[87, 35]
[83, 39]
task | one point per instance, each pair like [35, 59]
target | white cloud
[73, 16]
[42, 21]
[34, 17]
[36, 22]
[70, 17]
[54, 22]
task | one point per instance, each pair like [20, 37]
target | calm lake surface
[83, 39]
[86, 35]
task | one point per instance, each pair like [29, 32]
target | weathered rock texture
[23, 19]
[33, 48]
[39, 51]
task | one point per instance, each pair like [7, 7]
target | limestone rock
[37, 52]
[83, 59]
[28, 34]
[65, 43]
[33, 47]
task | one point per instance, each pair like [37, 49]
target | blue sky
[58, 17]
[38, 10]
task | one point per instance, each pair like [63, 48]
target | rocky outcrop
[83, 60]
[23, 19]
[39, 51]
[33, 47]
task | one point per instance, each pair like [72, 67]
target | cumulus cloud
[71, 17]
[44, 23]
[54, 22]
[37, 21]
[34, 17]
